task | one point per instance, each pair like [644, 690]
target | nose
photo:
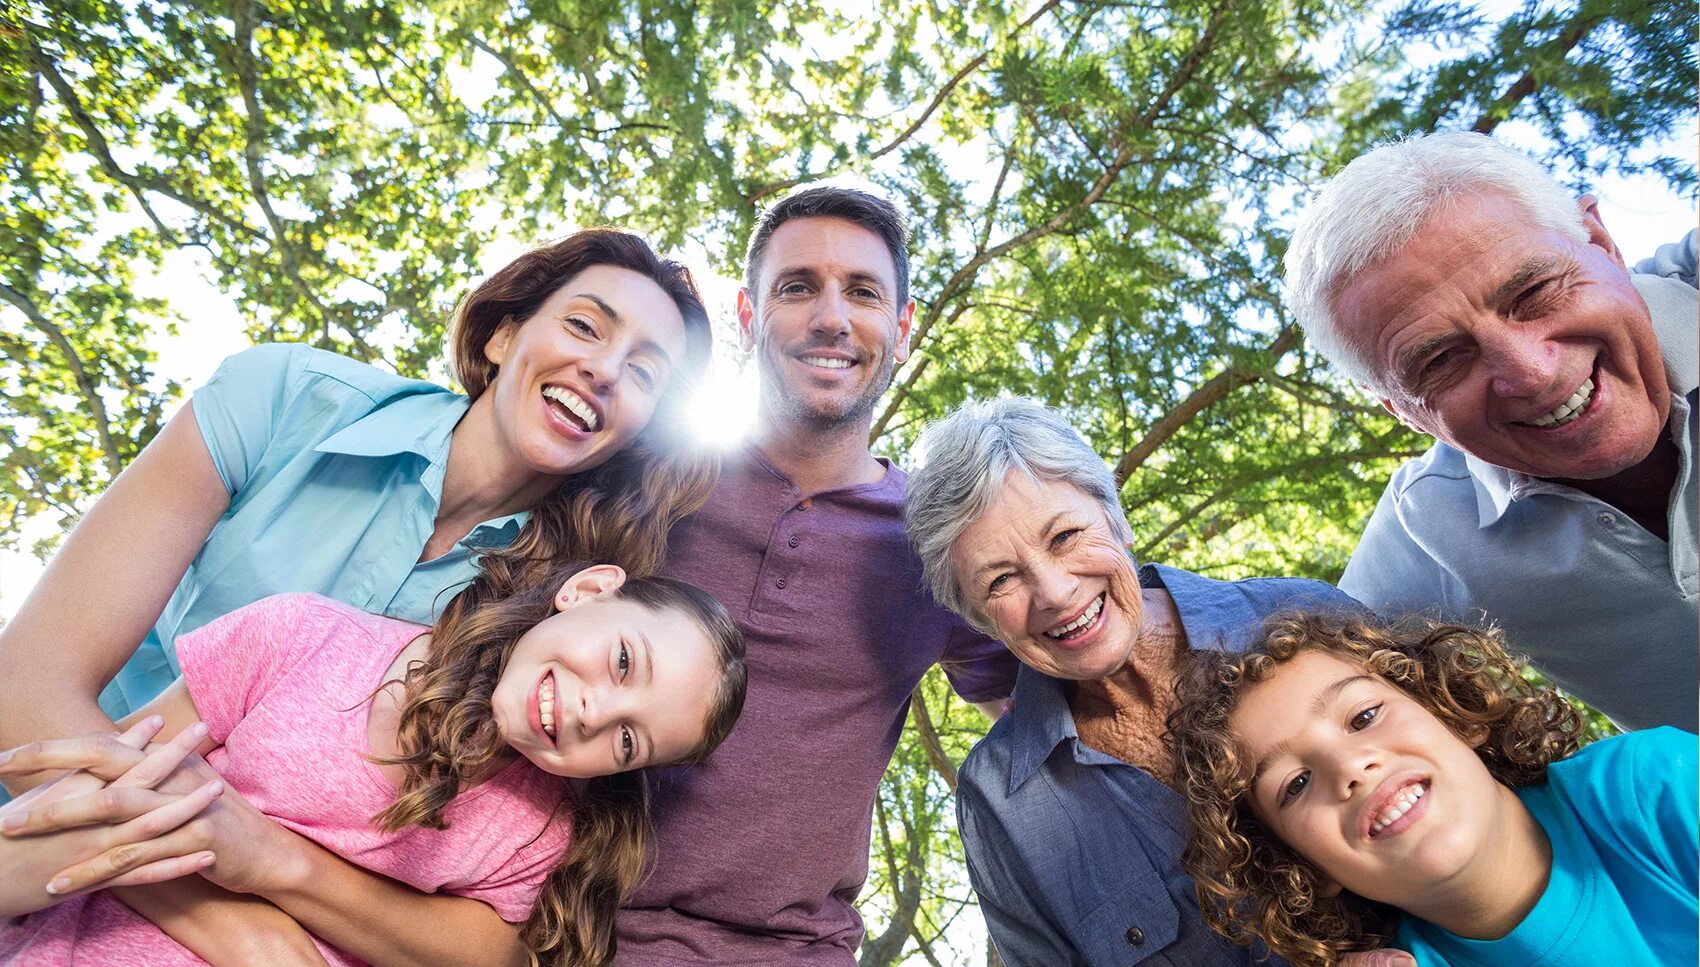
[832, 314]
[1053, 586]
[595, 710]
[1522, 364]
[1357, 769]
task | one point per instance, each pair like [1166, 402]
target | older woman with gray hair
[1072, 834]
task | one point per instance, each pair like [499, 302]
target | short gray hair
[1376, 204]
[965, 458]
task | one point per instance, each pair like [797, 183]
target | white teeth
[574, 404]
[825, 362]
[1085, 619]
[1401, 804]
[546, 704]
[1570, 408]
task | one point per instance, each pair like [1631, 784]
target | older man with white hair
[1485, 306]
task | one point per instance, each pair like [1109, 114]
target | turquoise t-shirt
[1621, 815]
[335, 471]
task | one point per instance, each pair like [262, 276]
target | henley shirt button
[780, 583]
[1607, 519]
[805, 503]
[793, 541]
[1136, 936]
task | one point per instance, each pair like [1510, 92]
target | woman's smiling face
[606, 684]
[1043, 564]
[580, 379]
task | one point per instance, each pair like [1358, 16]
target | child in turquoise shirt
[1353, 784]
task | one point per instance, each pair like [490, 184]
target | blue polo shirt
[335, 472]
[1621, 818]
[1075, 854]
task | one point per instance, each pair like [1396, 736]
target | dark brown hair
[447, 732]
[620, 511]
[1250, 884]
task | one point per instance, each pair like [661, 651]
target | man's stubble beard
[820, 420]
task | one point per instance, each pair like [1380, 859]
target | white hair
[965, 459]
[1376, 204]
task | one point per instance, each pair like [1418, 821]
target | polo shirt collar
[1042, 719]
[1671, 305]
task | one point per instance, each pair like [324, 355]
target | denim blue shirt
[335, 470]
[1075, 854]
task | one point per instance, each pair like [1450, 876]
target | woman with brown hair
[299, 470]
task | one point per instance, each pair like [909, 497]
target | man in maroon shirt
[761, 851]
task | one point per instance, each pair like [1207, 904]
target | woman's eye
[996, 583]
[1063, 537]
[645, 378]
[1362, 720]
[1294, 787]
[581, 325]
[628, 746]
[625, 660]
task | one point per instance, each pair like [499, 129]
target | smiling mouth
[1568, 411]
[827, 362]
[1403, 801]
[573, 408]
[546, 704]
[1080, 623]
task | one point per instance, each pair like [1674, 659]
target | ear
[1402, 416]
[496, 347]
[905, 320]
[595, 581]
[1596, 227]
[746, 320]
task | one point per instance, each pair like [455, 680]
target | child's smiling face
[1363, 782]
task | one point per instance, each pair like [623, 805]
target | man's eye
[1362, 720]
[1294, 787]
[1439, 361]
[1532, 297]
[793, 288]
[628, 746]
[625, 660]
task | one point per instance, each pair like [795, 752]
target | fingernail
[199, 729]
[215, 788]
[15, 820]
[156, 721]
[63, 883]
[5, 757]
[206, 859]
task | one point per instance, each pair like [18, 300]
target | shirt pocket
[1131, 926]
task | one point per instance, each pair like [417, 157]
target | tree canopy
[1101, 194]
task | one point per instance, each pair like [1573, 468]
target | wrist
[292, 863]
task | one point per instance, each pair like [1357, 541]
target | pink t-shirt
[284, 686]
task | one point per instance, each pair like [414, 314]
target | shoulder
[1630, 761]
[299, 365]
[1441, 469]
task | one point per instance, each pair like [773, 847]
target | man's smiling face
[825, 321]
[1528, 349]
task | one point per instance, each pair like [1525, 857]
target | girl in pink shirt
[432, 757]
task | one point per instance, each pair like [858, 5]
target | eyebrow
[1004, 562]
[619, 320]
[1532, 268]
[1318, 705]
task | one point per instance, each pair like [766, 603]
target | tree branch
[85, 384]
[1211, 391]
[1503, 105]
[930, 740]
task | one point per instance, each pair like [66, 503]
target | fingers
[162, 870]
[111, 805]
[139, 735]
[164, 759]
[102, 754]
[154, 839]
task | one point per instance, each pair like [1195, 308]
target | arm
[134, 546]
[1023, 934]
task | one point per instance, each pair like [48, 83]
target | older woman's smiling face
[1043, 564]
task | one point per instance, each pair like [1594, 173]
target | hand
[79, 815]
[1385, 957]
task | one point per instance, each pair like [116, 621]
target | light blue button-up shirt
[1075, 854]
[1602, 606]
[335, 471]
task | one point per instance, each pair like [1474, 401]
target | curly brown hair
[1251, 886]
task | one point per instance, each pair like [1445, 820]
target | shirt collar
[1211, 612]
[1671, 305]
[418, 423]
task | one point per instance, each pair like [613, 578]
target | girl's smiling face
[606, 684]
[1365, 783]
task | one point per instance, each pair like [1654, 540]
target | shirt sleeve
[1021, 932]
[1668, 793]
[238, 410]
[512, 889]
[230, 663]
[979, 669]
[1675, 260]
[1390, 571]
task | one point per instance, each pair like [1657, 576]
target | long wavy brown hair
[618, 512]
[1251, 886]
[447, 733]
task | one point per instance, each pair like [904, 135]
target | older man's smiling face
[1530, 350]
